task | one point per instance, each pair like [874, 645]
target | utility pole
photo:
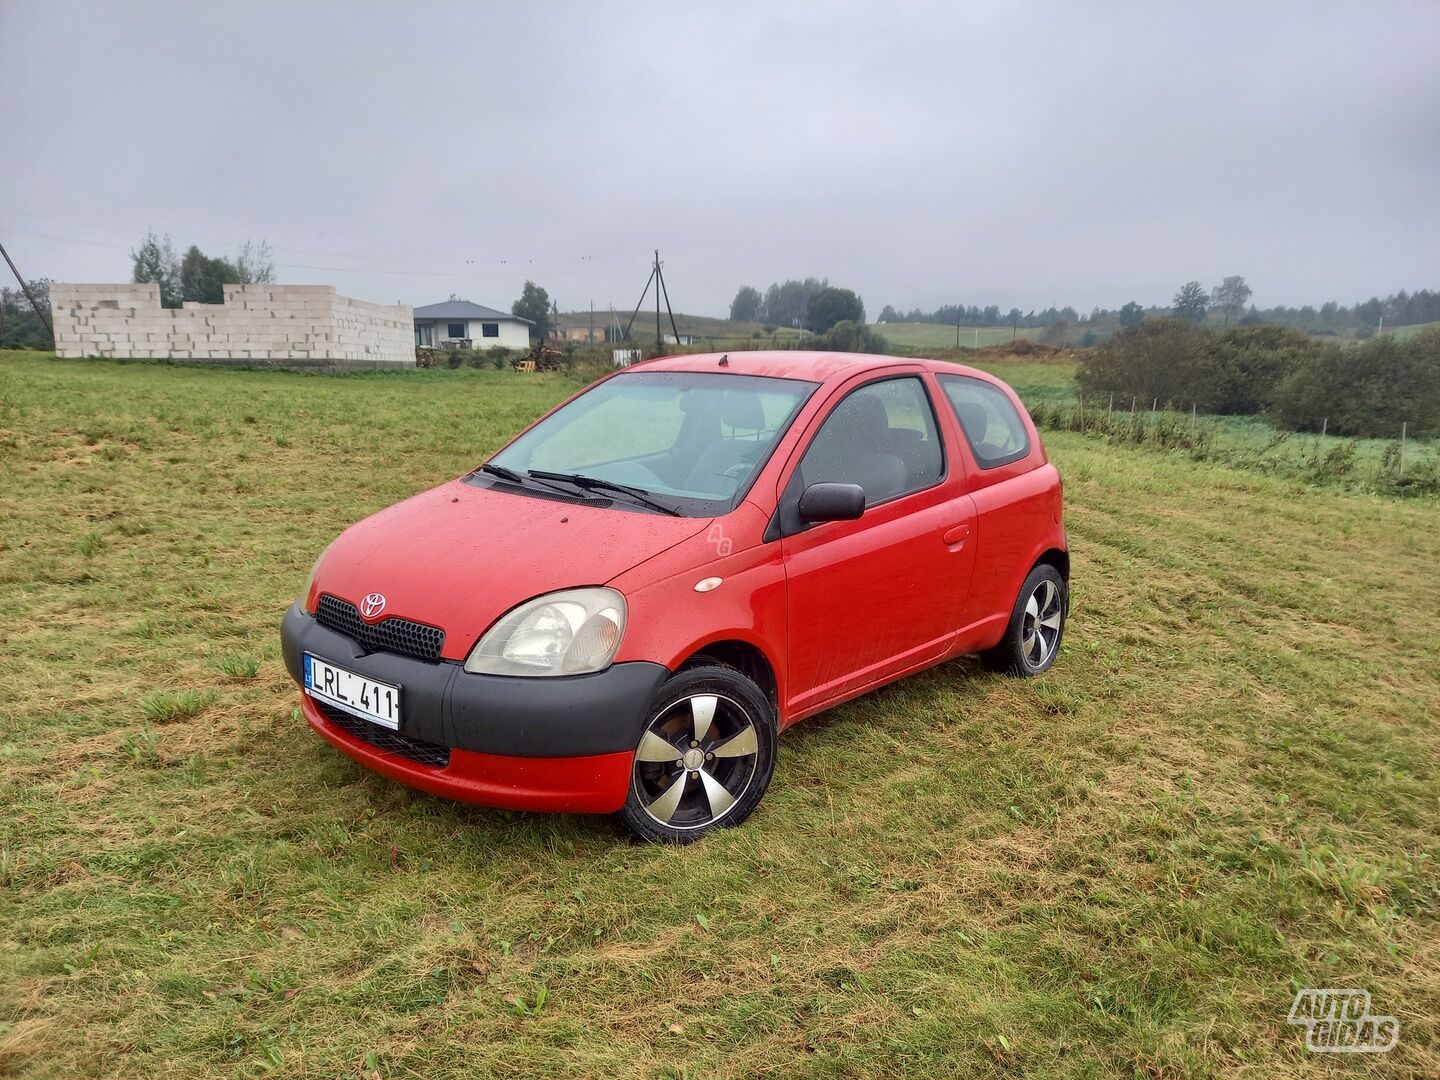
[590, 334]
[957, 326]
[657, 275]
[660, 277]
[44, 317]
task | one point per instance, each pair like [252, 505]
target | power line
[513, 266]
[525, 268]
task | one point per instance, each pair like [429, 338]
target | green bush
[848, 336]
[1160, 359]
[1247, 363]
[1178, 363]
[1368, 389]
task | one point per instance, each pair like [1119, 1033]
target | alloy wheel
[1040, 626]
[695, 760]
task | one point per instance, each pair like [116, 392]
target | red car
[625, 606]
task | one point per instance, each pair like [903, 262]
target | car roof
[798, 364]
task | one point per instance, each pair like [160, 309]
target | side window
[882, 437]
[490, 329]
[992, 427]
[455, 330]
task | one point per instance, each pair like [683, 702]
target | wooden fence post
[1403, 426]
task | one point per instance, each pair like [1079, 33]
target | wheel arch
[1056, 557]
[747, 658]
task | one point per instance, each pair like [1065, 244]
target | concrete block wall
[280, 325]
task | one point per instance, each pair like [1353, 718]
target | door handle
[957, 534]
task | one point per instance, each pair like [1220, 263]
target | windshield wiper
[502, 472]
[520, 479]
[595, 483]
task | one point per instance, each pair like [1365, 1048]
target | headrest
[741, 410]
[868, 417]
[973, 418]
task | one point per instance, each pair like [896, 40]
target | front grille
[388, 635]
[392, 742]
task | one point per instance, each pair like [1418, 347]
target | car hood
[460, 556]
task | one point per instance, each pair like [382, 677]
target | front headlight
[310, 581]
[571, 632]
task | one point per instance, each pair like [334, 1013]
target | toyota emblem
[372, 605]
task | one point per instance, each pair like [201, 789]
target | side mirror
[832, 502]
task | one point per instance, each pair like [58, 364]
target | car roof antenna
[725, 360]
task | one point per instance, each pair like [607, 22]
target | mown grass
[1224, 791]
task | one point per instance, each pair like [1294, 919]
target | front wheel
[705, 758]
[1037, 623]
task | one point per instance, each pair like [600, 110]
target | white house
[462, 325]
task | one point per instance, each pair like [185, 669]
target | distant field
[1404, 333]
[936, 336]
[644, 326]
[1033, 380]
[724, 333]
[1224, 791]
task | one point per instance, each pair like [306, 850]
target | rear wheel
[705, 758]
[1037, 624]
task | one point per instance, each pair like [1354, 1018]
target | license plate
[370, 700]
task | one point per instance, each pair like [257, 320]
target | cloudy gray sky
[986, 152]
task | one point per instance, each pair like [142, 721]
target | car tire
[1036, 628]
[704, 759]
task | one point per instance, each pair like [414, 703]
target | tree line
[195, 276]
[812, 304]
[1224, 304]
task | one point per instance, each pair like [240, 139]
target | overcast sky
[987, 152]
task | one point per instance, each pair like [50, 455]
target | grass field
[1226, 789]
[1405, 333]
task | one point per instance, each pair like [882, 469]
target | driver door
[871, 598]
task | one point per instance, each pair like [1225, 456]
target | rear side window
[991, 424]
[882, 437]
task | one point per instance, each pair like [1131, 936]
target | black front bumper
[442, 703]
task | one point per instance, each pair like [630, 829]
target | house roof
[463, 309]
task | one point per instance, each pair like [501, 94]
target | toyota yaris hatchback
[624, 607]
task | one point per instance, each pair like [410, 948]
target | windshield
[681, 435]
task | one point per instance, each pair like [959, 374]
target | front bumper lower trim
[561, 717]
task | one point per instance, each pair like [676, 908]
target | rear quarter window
[991, 423]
